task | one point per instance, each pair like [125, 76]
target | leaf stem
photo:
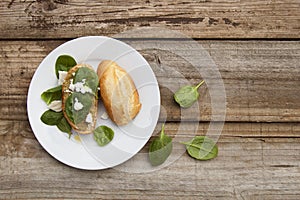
[162, 132]
[199, 84]
[185, 143]
[198, 147]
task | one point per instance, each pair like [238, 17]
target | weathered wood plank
[246, 168]
[19, 141]
[197, 19]
[261, 80]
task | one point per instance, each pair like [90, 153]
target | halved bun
[83, 127]
[118, 92]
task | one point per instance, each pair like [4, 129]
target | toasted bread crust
[83, 127]
[118, 92]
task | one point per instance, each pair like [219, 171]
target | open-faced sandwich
[73, 103]
[79, 98]
[118, 92]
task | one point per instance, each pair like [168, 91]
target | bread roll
[118, 92]
[83, 101]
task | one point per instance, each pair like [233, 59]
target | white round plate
[128, 139]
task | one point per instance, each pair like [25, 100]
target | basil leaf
[64, 126]
[186, 96]
[103, 135]
[202, 148]
[69, 107]
[78, 116]
[51, 117]
[160, 148]
[52, 94]
[64, 63]
[91, 78]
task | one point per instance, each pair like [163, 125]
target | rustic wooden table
[255, 45]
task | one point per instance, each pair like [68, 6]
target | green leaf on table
[52, 94]
[64, 63]
[51, 117]
[103, 135]
[202, 148]
[186, 96]
[160, 148]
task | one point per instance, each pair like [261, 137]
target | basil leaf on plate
[103, 135]
[90, 77]
[78, 116]
[64, 63]
[64, 126]
[51, 118]
[202, 148]
[52, 94]
[160, 148]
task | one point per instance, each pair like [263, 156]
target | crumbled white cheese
[89, 118]
[79, 87]
[87, 89]
[55, 106]
[73, 73]
[61, 77]
[71, 86]
[77, 105]
[104, 115]
[67, 90]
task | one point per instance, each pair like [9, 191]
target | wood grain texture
[261, 80]
[17, 139]
[197, 19]
[259, 144]
[246, 168]
[255, 161]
